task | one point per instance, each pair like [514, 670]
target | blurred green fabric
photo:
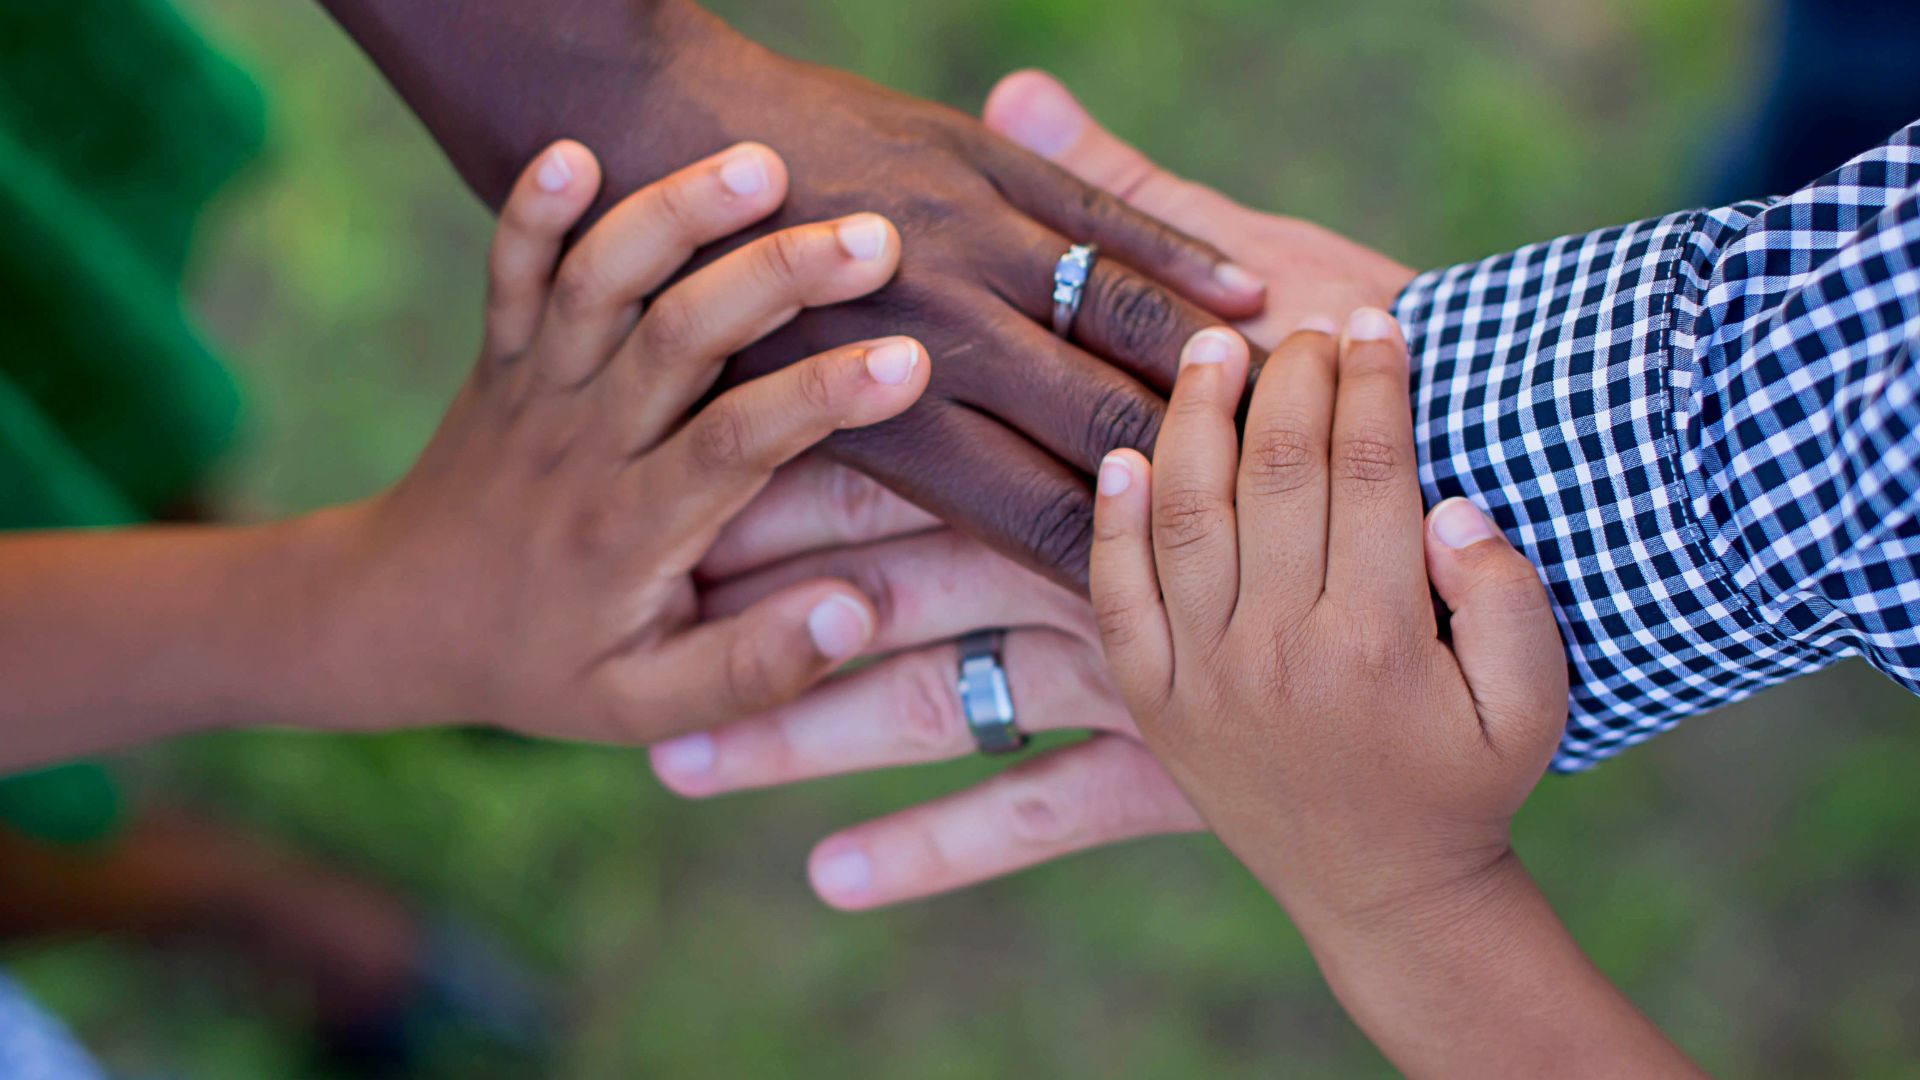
[117, 125]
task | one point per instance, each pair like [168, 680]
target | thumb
[763, 657]
[1503, 630]
[1035, 111]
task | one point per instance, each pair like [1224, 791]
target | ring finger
[902, 711]
[676, 352]
[1133, 321]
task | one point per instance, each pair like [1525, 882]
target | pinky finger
[1125, 585]
[547, 201]
[751, 662]
[1088, 795]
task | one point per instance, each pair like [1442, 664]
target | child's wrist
[1375, 898]
[1422, 919]
[358, 660]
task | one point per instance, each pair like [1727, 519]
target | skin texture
[930, 587]
[533, 571]
[1264, 605]
[1004, 442]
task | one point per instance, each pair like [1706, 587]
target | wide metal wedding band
[985, 699]
[1070, 277]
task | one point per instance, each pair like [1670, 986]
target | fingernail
[846, 874]
[1237, 279]
[839, 628]
[1209, 347]
[1369, 324]
[1318, 324]
[1115, 477]
[1458, 524]
[688, 755]
[554, 173]
[891, 363]
[864, 237]
[1046, 123]
[745, 173]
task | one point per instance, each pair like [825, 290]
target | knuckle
[781, 259]
[505, 289]
[719, 439]
[751, 680]
[1369, 458]
[547, 448]
[857, 502]
[1060, 532]
[1121, 419]
[1137, 315]
[1119, 621]
[814, 386]
[1185, 517]
[1510, 587]
[930, 711]
[671, 328]
[1376, 646]
[588, 534]
[1042, 815]
[674, 203]
[577, 291]
[874, 580]
[1280, 460]
[1104, 212]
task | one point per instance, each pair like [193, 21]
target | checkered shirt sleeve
[1703, 430]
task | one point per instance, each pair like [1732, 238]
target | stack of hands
[1261, 654]
[617, 535]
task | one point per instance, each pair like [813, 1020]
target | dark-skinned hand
[1005, 440]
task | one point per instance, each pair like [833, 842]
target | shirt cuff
[1544, 390]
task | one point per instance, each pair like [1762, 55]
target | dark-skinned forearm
[495, 80]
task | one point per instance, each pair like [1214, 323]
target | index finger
[1102, 791]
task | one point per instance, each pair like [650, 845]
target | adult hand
[928, 585]
[1005, 441]
[1309, 271]
[906, 711]
[1015, 419]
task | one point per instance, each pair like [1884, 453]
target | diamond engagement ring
[1070, 277]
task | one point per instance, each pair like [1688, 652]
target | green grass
[1750, 878]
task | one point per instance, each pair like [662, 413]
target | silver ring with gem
[1070, 277]
[985, 698]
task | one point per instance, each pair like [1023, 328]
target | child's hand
[533, 570]
[1268, 617]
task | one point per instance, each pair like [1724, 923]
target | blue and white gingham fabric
[1703, 429]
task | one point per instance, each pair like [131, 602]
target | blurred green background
[1750, 879]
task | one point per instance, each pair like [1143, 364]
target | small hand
[1265, 605]
[1015, 420]
[1267, 614]
[1106, 792]
[533, 571]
